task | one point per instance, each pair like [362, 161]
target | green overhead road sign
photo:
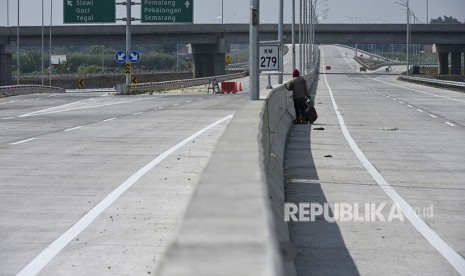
[167, 11]
[89, 11]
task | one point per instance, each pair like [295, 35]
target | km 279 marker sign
[89, 11]
[167, 11]
[269, 57]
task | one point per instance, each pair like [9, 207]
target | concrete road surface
[93, 183]
[378, 142]
[109, 174]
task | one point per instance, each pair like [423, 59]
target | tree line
[98, 58]
[445, 20]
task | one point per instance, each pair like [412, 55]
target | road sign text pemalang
[167, 11]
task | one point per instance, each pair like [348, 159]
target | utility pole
[300, 36]
[42, 56]
[8, 13]
[254, 49]
[305, 38]
[50, 45]
[427, 11]
[293, 34]
[312, 27]
[281, 41]
[17, 50]
[128, 37]
[408, 37]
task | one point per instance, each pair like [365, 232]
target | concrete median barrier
[157, 87]
[14, 90]
[234, 224]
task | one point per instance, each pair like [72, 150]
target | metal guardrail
[366, 53]
[170, 85]
[13, 90]
[433, 82]
[100, 74]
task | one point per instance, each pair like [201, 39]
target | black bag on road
[310, 114]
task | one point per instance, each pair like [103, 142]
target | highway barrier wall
[277, 117]
[235, 221]
[177, 84]
[14, 90]
[435, 82]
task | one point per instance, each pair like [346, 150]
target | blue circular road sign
[134, 57]
[121, 56]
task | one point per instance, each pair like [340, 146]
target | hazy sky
[237, 11]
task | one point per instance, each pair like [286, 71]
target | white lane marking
[137, 113]
[8, 118]
[24, 141]
[107, 120]
[419, 110]
[431, 94]
[456, 260]
[432, 116]
[401, 102]
[449, 123]
[51, 109]
[427, 93]
[73, 128]
[82, 104]
[410, 105]
[175, 104]
[39, 262]
[188, 101]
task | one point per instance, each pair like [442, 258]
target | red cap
[295, 73]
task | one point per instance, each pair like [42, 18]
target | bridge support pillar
[209, 59]
[456, 51]
[443, 62]
[456, 63]
[6, 63]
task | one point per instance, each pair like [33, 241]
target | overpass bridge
[210, 41]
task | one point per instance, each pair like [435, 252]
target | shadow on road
[320, 246]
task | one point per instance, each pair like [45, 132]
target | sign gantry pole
[280, 38]
[293, 35]
[128, 38]
[254, 49]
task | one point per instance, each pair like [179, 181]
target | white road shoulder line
[73, 128]
[422, 92]
[456, 260]
[39, 262]
[24, 141]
